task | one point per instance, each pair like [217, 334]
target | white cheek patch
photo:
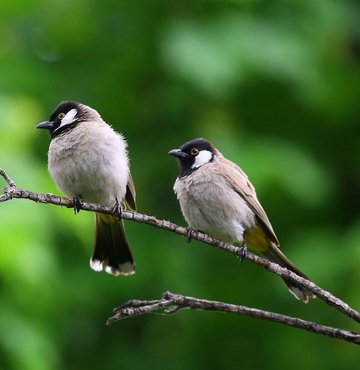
[203, 157]
[69, 118]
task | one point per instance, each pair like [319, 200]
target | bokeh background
[274, 84]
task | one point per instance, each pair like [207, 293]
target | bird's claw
[189, 231]
[242, 252]
[117, 209]
[77, 204]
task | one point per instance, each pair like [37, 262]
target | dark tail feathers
[275, 255]
[111, 252]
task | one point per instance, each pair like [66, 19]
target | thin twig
[7, 178]
[12, 192]
[170, 303]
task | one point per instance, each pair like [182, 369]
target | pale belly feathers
[91, 164]
[213, 207]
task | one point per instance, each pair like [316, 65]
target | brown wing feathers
[238, 180]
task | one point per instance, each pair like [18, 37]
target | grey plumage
[88, 159]
[216, 197]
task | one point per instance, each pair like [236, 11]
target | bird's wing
[240, 183]
[130, 194]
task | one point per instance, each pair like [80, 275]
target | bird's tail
[275, 255]
[111, 252]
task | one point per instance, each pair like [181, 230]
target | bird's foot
[117, 209]
[189, 231]
[77, 204]
[242, 252]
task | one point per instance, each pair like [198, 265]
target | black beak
[46, 124]
[178, 153]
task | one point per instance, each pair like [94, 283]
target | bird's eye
[194, 151]
[61, 115]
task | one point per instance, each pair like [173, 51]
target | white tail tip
[96, 265]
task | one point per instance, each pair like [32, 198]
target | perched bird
[216, 197]
[88, 160]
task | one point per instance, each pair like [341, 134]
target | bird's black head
[194, 154]
[66, 116]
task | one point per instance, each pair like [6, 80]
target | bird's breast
[94, 167]
[209, 204]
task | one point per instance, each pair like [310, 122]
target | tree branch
[12, 192]
[170, 303]
[7, 178]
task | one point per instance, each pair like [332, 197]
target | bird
[217, 198]
[88, 160]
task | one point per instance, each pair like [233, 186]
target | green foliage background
[274, 84]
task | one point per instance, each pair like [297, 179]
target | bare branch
[10, 182]
[170, 303]
[14, 192]
[133, 308]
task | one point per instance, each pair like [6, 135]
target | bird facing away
[88, 160]
[216, 197]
